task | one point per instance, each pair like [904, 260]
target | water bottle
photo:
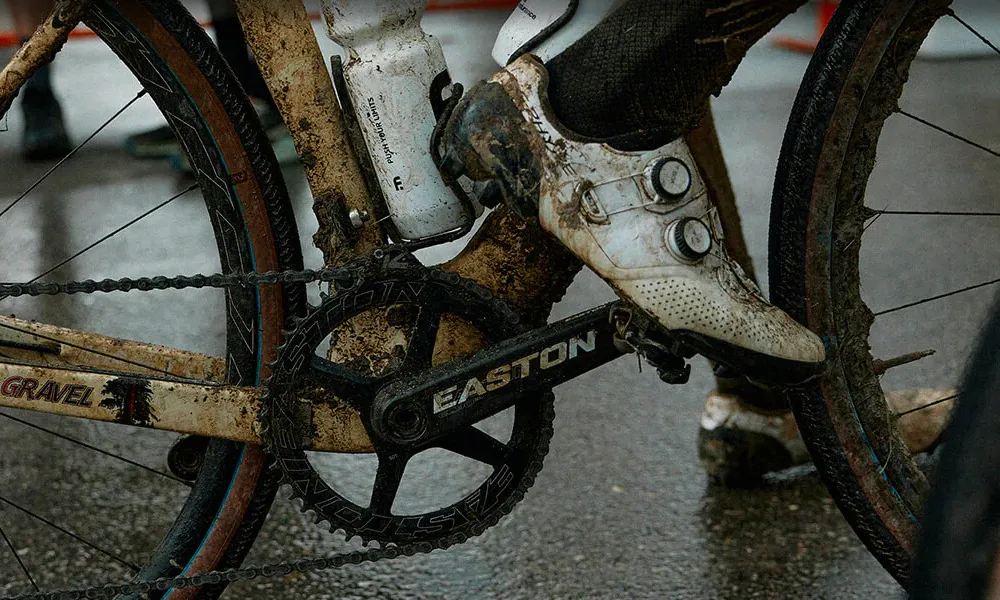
[393, 70]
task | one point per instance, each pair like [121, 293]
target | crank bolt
[358, 217]
[406, 422]
[186, 456]
[688, 239]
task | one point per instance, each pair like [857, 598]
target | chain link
[279, 569]
[180, 282]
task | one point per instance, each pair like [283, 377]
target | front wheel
[863, 160]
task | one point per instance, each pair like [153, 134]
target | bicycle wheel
[248, 225]
[957, 559]
[850, 109]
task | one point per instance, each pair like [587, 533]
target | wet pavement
[621, 509]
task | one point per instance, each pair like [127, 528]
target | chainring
[394, 281]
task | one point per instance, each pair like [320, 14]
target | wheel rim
[887, 481]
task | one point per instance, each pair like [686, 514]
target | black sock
[643, 76]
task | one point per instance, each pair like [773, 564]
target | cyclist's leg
[636, 81]
[641, 78]
[44, 130]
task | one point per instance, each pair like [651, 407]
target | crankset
[413, 394]
[408, 302]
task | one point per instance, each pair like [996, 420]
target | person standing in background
[44, 136]
[161, 143]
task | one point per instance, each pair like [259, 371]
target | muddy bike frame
[56, 370]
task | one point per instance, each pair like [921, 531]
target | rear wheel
[248, 226]
[827, 254]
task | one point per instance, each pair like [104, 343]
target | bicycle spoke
[928, 405]
[13, 551]
[951, 13]
[387, 480]
[105, 238]
[72, 152]
[938, 297]
[881, 366]
[476, 444]
[864, 229]
[81, 539]
[948, 132]
[936, 213]
[93, 448]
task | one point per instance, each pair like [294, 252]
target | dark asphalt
[621, 509]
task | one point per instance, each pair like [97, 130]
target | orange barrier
[9, 39]
[824, 12]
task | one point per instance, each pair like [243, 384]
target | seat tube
[395, 74]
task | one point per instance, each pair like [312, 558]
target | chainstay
[179, 282]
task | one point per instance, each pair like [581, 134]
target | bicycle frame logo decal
[49, 391]
[503, 375]
[129, 398]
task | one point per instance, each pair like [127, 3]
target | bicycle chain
[180, 282]
[279, 569]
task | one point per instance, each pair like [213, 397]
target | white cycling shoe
[642, 220]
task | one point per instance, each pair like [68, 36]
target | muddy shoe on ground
[738, 444]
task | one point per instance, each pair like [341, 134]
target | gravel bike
[378, 354]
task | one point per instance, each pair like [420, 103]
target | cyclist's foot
[44, 129]
[642, 220]
[738, 444]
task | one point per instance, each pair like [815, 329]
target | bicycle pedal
[668, 356]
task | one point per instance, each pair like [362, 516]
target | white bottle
[392, 69]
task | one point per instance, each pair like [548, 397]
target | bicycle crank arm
[417, 410]
[217, 411]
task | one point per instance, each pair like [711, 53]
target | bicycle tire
[851, 86]
[957, 559]
[182, 71]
